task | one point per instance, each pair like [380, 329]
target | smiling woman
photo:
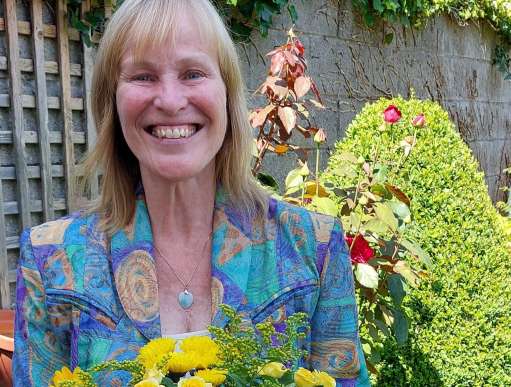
[181, 225]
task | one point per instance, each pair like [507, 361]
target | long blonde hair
[152, 22]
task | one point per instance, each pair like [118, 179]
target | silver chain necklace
[185, 297]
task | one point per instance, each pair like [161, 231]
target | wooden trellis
[45, 126]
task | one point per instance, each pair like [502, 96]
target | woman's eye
[143, 77]
[194, 74]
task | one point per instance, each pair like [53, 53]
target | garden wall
[45, 126]
[445, 62]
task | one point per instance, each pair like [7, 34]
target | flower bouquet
[236, 356]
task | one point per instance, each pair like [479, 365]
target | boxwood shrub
[460, 333]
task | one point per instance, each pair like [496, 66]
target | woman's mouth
[173, 131]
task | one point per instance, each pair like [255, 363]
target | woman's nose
[171, 97]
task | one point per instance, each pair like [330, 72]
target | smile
[177, 131]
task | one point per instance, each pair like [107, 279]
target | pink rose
[360, 252]
[419, 121]
[392, 114]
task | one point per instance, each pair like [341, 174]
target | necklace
[185, 297]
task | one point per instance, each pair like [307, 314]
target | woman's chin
[177, 173]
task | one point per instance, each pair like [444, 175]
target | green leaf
[366, 275]
[417, 251]
[294, 179]
[388, 38]
[167, 382]
[325, 206]
[268, 180]
[292, 13]
[400, 327]
[401, 210]
[385, 214]
[376, 226]
[402, 267]
[395, 284]
[378, 6]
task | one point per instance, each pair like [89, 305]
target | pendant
[185, 299]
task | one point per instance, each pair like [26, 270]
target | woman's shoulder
[58, 231]
[295, 217]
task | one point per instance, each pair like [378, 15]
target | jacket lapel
[231, 257]
[135, 273]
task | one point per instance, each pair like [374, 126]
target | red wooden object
[6, 346]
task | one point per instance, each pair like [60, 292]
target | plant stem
[317, 170]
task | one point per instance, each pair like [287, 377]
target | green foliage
[415, 13]
[461, 314]
[242, 352]
[242, 16]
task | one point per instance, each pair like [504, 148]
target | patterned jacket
[83, 298]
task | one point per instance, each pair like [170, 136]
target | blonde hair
[147, 22]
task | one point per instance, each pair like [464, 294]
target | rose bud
[419, 121]
[392, 114]
[320, 137]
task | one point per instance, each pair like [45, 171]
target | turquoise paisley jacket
[83, 298]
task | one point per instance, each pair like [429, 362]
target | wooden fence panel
[45, 123]
[42, 109]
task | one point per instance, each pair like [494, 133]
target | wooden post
[5, 297]
[42, 109]
[65, 106]
[17, 109]
[87, 81]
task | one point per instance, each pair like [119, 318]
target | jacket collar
[134, 268]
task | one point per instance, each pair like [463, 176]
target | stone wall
[446, 62]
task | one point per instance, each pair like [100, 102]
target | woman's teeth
[174, 132]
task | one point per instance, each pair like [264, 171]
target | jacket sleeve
[335, 342]
[39, 349]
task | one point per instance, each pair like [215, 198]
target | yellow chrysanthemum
[151, 353]
[199, 344]
[323, 379]
[65, 375]
[152, 378]
[213, 376]
[304, 378]
[181, 362]
[205, 349]
[194, 381]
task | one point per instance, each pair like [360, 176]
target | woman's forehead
[182, 33]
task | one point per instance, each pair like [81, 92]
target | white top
[181, 336]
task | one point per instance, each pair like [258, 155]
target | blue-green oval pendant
[185, 299]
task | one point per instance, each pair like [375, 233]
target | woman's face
[171, 104]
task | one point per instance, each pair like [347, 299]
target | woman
[180, 226]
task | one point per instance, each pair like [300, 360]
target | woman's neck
[180, 211]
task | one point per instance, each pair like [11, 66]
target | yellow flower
[205, 349]
[200, 344]
[323, 379]
[304, 378]
[274, 369]
[151, 353]
[194, 381]
[213, 376]
[152, 378]
[65, 375]
[147, 383]
[181, 362]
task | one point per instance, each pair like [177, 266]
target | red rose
[360, 252]
[392, 114]
[419, 121]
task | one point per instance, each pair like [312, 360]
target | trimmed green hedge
[461, 315]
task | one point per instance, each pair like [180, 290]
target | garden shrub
[460, 331]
